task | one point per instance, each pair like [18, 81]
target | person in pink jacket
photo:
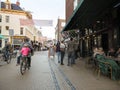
[25, 50]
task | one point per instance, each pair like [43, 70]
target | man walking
[58, 51]
[62, 49]
[71, 52]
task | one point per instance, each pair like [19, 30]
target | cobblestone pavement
[47, 74]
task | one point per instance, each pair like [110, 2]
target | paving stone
[50, 75]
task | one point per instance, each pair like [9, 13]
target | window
[7, 19]
[7, 27]
[75, 4]
[0, 18]
[0, 30]
[7, 6]
[21, 30]
[63, 24]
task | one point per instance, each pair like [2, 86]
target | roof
[13, 6]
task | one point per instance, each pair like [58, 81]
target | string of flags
[37, 22]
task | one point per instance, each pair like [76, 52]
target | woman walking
[62, 49]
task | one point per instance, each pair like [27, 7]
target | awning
[87, 12]
[2, 37]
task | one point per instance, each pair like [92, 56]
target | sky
[44, 10]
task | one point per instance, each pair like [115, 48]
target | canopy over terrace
[87, 12]
[2, 37]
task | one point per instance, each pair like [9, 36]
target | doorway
[104, 41]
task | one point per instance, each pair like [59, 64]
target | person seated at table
[111, 52]
[118, 53]
[98, 51]
[95, 51]
[101, 51]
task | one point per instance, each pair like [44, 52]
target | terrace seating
[107, 67]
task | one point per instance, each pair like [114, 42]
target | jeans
[6, 53]
[71, 58]
[62, 56]
[59, 56]
[19, 58]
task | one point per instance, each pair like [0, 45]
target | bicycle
[5, 57]
[14, 54]
[24, 64]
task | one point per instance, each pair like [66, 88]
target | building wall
[69, 9]
[59, 27]
[14, 23]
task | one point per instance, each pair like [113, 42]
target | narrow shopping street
[46, 74]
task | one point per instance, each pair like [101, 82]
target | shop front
[98, 23]
[17, 41]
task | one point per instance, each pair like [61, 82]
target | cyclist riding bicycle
[7, 49]
[25, 51]
[26, 41]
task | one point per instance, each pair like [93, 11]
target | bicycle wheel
[23, 67]
[8, 59]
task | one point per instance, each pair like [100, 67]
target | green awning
[87, 12]
[2, 37]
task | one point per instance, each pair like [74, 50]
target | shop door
[104, 41]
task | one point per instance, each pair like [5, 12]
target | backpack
[57, 47]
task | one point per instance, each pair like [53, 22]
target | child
[25, 50]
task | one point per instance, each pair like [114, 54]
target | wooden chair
[104, 65]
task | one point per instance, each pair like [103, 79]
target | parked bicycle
[24, 64]
[14, 54]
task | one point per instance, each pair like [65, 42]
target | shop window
[7, 27]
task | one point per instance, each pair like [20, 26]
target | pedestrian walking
[58, 51]
[71, 52]
[62, 49]
[51, 51]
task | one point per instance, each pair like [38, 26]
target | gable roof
[13, 6]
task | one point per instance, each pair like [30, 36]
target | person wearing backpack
[62, 50]
[58, 51]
